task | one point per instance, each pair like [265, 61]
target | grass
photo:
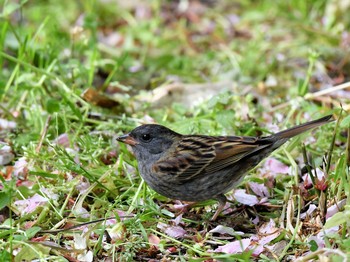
[75, 74]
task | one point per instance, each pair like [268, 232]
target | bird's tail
[296, 130]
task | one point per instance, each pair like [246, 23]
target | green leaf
[32, 231]
[11, 7]
[44, 174]
[29, 253]
[338, 219]
[226, 118]
[52, 106]
[5, 256]
[313, 245]
[5, 199]
[345, 122]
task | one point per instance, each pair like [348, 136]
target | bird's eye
[146, 137]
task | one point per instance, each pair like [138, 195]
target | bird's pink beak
[127, 139]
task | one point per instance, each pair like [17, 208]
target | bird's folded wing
[199, 155]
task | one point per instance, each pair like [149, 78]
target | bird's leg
[222, 201]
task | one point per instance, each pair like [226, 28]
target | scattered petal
[267, 233]
[110, 222]
[117, 232]
[6, 155]
[307, 179]
[74, 154]
[226, 230]
[259, 189]
[178, 219]
[311, 209]
[81, 212]
[20, 169]
[49, 193]
[29, 205]
[335, 208]
[112, 39]
[246, 199]
[79, 241]
[268, 228]
[234, 247]
[256, 220]
[172, 231]
[276, 167]
[83, 186]
[124, 215]
[319, 241]
[7, 125]
[259, 243]
[320, 237]
[63, 140]
[175, 231]
[87, 257]
[153, 240]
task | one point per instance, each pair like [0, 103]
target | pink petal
[175, 232]
[246, 199]
[335, 208]
[20, 168]
[117, 232]
[260, 244]
[256, 220]
[81, 212]
[319, 238]
[6, 155]
[110, 222]
[268, 228]
[6, 124]
[29, 205]
[259, 189]
[63, 140]
[319, 175]
[275, 166]
[234, 247]
[267, 233]
[311, 209]
[319, 241]
[172, 231]
[153, 239]
[226, 230]
[83, 186]
[178, 219]
[124, 215]
[267, 239]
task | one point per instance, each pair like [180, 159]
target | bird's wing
[198, 155]
[230, 150]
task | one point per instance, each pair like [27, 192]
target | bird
[196, 168]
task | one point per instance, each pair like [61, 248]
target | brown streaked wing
[230, 151]
[188, 159]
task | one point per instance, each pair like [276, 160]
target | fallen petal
[226, 230]
[234, 247]
[246, 199]
[259, 189]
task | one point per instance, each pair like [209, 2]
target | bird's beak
[127, 139]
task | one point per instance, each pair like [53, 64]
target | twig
[79, 225]
[43, 134]
[327, 91]
[323, 251]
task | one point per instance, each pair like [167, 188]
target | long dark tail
[296, 130]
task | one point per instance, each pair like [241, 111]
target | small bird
[198, 167]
